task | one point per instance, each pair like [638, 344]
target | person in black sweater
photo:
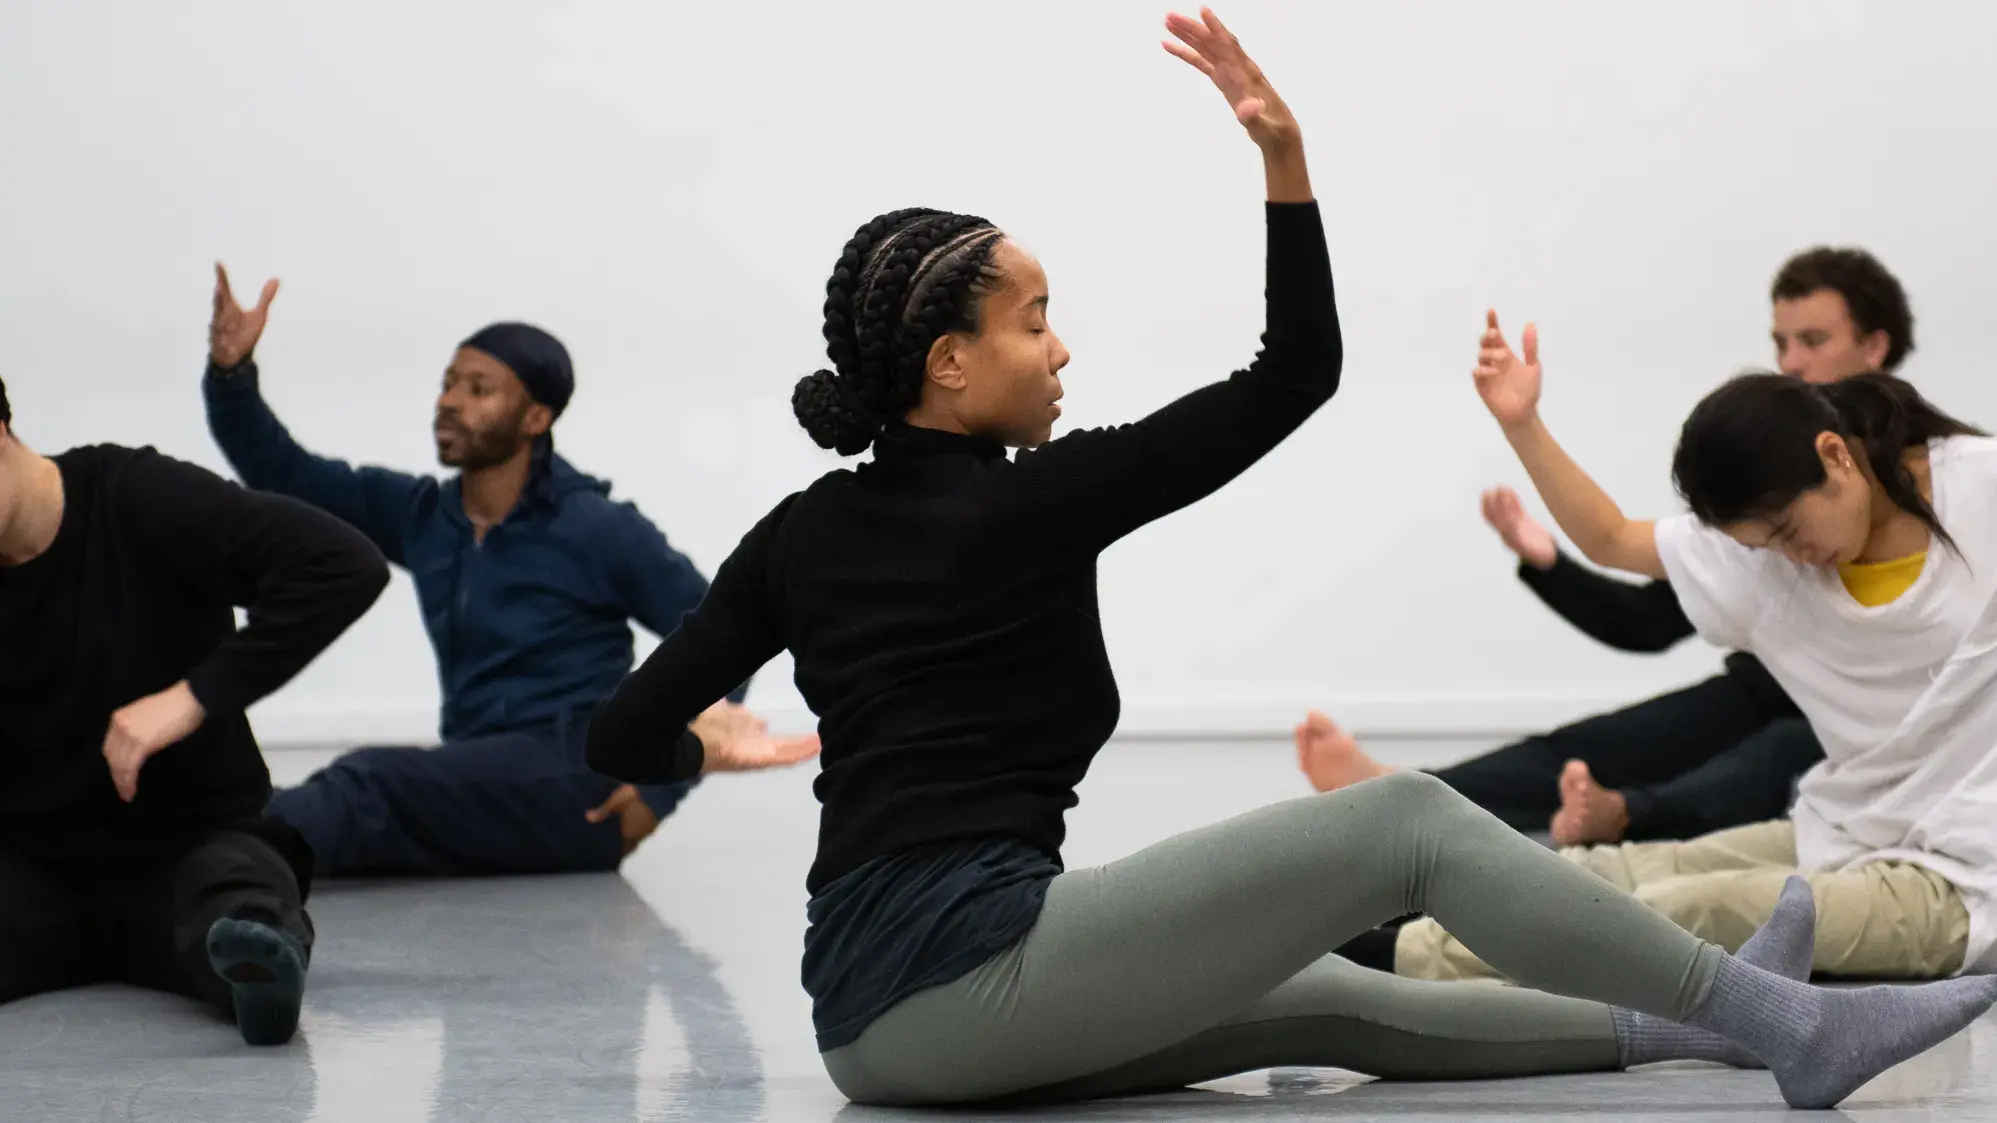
[940, 604]
[133, 846]
[1724, 752]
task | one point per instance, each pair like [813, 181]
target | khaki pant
[1882, 921]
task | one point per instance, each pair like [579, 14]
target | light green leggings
[1205, 955]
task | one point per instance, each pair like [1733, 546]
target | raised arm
[303, 577]
[1643, 618]
[1509, 385]
[377, 502]
[1095, 486]
[645, 733]
[1629, 617]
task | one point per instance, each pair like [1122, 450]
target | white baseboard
[1383, 717]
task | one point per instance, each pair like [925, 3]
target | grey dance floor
[670, 992]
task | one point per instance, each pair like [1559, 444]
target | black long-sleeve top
[940, 601]
[1643, 618]
[1624, 615]
[138, 591]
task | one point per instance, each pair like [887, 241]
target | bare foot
[1589, 813]
[1331, 758]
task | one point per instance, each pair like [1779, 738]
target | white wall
[666, 186]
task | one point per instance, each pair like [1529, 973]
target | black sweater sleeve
[1092, 487]
[640, 736]
[1646, 618]
[303, 575]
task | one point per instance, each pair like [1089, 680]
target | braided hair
[903, 281]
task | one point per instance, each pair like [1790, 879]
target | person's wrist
[183, 694]
[1522, 430]
[1282, 142]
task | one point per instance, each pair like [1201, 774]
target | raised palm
[736, 740]
[1525, 537]
[1209, 47]
[233, 331]
[1508, 382]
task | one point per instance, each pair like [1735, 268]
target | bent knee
[368, 762]
[1417, 795]
[1415, 787]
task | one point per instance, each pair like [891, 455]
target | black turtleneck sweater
[940, 603]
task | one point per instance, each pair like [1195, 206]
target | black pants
[1714, 755]
[142, 923]
[509, 803]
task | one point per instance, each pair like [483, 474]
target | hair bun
[831, 414]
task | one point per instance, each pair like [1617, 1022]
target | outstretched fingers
[794, 750]
[1192, 57]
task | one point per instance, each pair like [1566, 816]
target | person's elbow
[614, 746]
[357, 576]
[1647, 642]
[1627, 546]
[1322, 365]
[1608, 551]
[608, 749]
[371, 576]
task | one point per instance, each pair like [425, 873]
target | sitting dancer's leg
[42, 930]
[1885, 920]
[506, 804]
[1426, 950]
[1131, 958]
[1752, 782]
[1401, 1029]
[224, 922]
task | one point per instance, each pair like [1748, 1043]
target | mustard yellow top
[1877, 583]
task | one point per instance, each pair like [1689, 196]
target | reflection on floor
[671, 993]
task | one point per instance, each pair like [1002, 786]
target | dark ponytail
[6, 411]
[903, 280]
[1750, 448]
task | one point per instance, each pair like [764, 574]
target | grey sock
[1787, 944]
[1784, 945]
[1823, 1045]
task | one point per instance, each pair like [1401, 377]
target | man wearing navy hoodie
[528, 575]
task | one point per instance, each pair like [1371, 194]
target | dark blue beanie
[539, 359]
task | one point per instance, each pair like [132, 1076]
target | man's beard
[472, 450]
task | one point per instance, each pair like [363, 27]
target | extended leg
[507, 804]
[1635, 747]
[1751, 782]
[222, 921]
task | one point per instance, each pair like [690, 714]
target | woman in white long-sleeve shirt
[1847, 535]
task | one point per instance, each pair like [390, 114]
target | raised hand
[1523, 535]
[1508, 383]
[145, 727]
[736, 740]
[1209, 47]
[232, 332]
